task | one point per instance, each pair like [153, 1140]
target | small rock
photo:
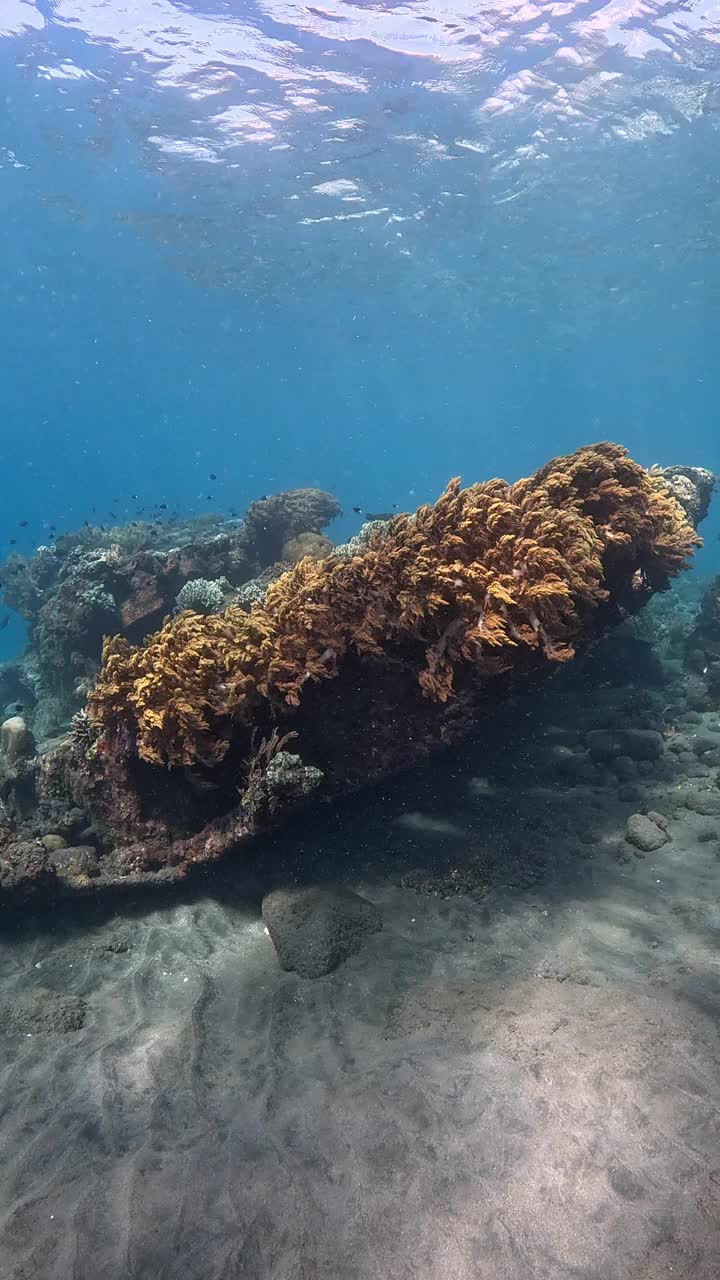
[574, 765]
[41, 1011]
[625, 768]
[679, 742]
[313, 930]
[25, 868]
[72, 821]
[706, 803]
[659, 819]
[642, 744]
[16, 740]
[117, 944]
[644, 834]
[75, 860]
[603, 745]
[692, 766]
[52, 841]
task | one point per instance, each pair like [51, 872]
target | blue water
[365, 247]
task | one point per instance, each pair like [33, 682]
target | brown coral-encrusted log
[492, 578]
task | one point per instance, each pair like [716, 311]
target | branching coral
[488, 578]
[177, 695]
[201, 595]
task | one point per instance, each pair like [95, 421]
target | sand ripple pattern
[504, 1089]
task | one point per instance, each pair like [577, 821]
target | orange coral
[486, 575]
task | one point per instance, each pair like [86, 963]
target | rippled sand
[525, 1084]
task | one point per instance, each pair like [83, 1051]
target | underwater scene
[360, 640]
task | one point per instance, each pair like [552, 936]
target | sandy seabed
[519, 1081]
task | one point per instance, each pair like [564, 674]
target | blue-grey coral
[201, 595]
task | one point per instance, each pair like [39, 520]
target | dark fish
[212, 476]
[4, 622]
[357, 510]
[163, 506]
[133, 497]
[23, 524]
[209, 498]
[112, 516]
[378, 515]
[13, 542]
[234, 515]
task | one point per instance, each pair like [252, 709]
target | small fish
[163, 506]
[234, 515]
[209, 498]
[133, 497]
[4, 622]
[357, 510]
[112, 516]
[378, 515]
[212, 476]
[23, 524]
[13, 542]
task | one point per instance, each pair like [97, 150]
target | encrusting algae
[483, 579]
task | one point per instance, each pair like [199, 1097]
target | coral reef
[692, 487]
[491, 578]
[125, 580]
[359, 665]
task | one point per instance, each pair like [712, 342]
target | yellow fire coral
[485, 579]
